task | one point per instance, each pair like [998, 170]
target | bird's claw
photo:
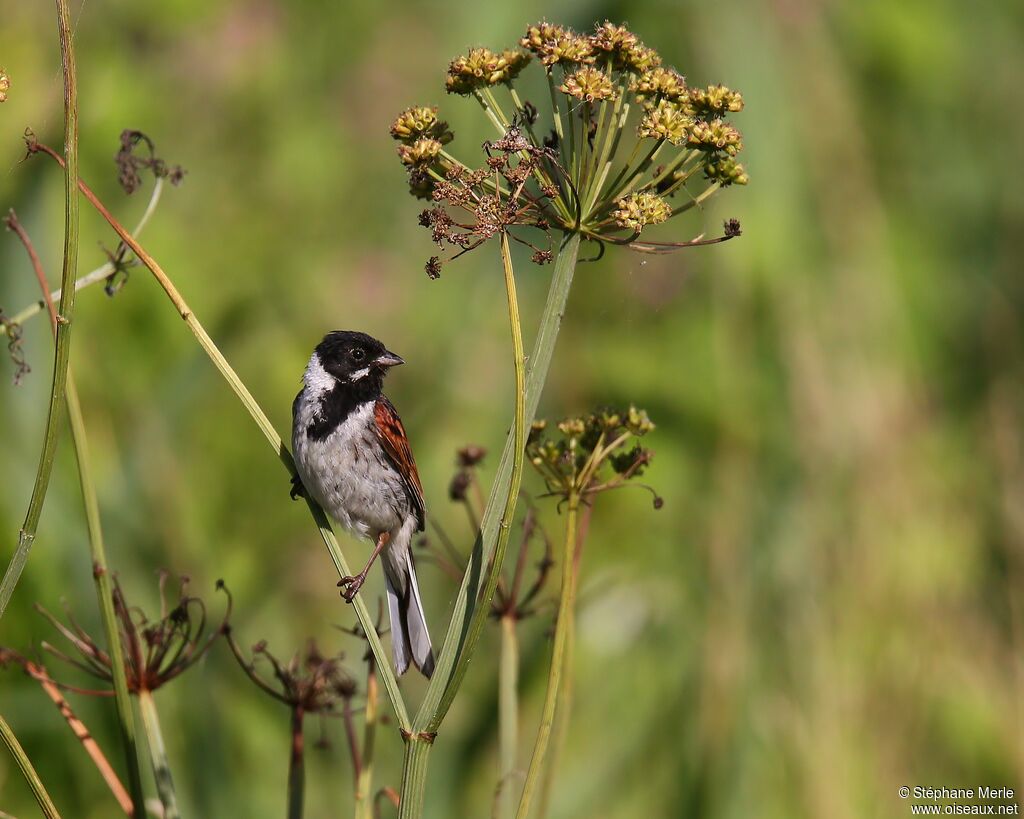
[298, 490]
[350, 586]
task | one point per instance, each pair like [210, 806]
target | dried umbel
[624, 144]
[155, 651]
[585, 455]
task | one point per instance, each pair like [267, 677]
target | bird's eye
[358, 354]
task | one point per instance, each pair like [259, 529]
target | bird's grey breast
[347, 471]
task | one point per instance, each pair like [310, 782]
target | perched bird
[353, 458]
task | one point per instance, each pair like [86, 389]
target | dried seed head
[666, 120]
[659, 83]
[637, 210]
[421, 153]
[715, 100]
[725, 170]
[420, 121]
[5, 85]
[482, 67]
[589, 84]
[557, 44]
[470, 455]
[716, 135]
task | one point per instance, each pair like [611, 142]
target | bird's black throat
[338, 403]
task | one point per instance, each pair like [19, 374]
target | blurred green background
[828, 605]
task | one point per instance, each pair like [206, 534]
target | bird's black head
[355, 358]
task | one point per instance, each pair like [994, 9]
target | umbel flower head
[597, 452]
[623, 144]
[5, 85]
[155, 651]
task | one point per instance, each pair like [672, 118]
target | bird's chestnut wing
[392, 437]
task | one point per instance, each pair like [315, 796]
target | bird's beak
[388, 359]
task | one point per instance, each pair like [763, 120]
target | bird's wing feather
[392, 437]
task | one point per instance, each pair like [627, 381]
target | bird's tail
[410, 640]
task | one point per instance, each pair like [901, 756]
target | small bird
[353, 458]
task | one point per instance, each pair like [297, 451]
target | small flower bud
[5, 85]
[556, 44]
[589, 84]
[725, 171]
[716, 135]
[660, 83]
[637, 210]
[715, 100]
[421, 153]
[420, 121]
[482, 67]
[666, 120]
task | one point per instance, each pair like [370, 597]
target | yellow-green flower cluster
[715, 100]
[716, 135]
[421, 153]
[660, 83]
[582, 444]
[725, 171]
[418, 122]
[637, 210]
[557, 44]
[5, 85]
[666, 120]
[624, 47]
[589, 84]
[482, 67]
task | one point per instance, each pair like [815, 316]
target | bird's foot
[350, 586]
[298, 490]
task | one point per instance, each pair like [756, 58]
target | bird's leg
[351, 585]
[298, 490]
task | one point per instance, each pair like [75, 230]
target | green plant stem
[67, 306]
[364, 783]
[706, 194]
[105, 597]
[101, 574]
[158, 755]
[562, 627]
[296, 766]
[508, 715]
[414, 776]
[561, 727]
[266, 427]
[461, 638]
[28, 771]
[94, 276]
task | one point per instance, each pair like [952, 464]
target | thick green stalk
[508, 715]
[414, 776]
[562, 715]
[473, 621]
[562, 626]
[364, 782]
[461, 638]
[158, 755]
[296, 767]
[29, 772]
[266, 427]
[67, 306]
[105, 595]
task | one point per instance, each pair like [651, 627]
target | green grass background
[828, 605]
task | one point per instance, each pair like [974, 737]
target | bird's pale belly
[349, 475]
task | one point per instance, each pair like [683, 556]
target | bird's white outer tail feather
[410, 639]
